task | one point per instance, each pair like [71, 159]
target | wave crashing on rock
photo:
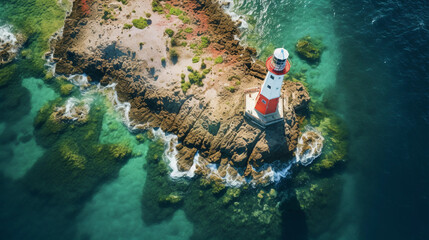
[309, 147]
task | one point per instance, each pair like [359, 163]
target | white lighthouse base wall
[258, 118]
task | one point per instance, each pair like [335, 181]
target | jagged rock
[215, 127]
[9, 45]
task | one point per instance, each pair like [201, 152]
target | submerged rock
[309, 147]
[309, 49]
[73, 110]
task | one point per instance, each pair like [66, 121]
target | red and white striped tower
[268, 97]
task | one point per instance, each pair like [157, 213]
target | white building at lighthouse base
[260, 119]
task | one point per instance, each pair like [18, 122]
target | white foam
[170, 140]
[6, 36]
[123, 108]
[306, 157]
[228, 6]
[170, 153]
[70, 107]
[80, 80]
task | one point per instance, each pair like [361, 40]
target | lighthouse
[264, 105]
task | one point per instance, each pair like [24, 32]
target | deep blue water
[384, 82]
[373, 74]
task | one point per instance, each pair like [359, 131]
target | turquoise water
[119, 217]
[16, 166]
[379, 193]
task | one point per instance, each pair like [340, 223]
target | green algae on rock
[71, 169]
[215, 210]
[309, 49]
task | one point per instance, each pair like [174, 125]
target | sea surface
[373, 75]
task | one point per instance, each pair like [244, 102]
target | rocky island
[180, 66]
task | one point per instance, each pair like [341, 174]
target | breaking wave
[271, 173]
[310, 146]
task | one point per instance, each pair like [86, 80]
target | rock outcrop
[206, 119]
[9, 45]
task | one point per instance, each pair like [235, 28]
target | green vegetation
[182, 76]
[185, 86]
[173, 54]
[125, 2]
[169, 32]
[157, 7]
[189, 30]
[108, 14]
[185, 19]
[230, 88]
[203, 65]
[196, 78]
[148, 15]
[205, 42]
[172, 10]
[218, 60]
[190, 69]
[195, 59]
[174, 42]
[206, 71]
[140, 23]
[127, 26]
[163, 61]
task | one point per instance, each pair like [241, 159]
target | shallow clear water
[373, 74]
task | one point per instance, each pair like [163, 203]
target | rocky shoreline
[207, 119]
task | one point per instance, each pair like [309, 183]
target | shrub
[140, 23]
[218, 60]
[127, 26]
[148, 15]
[185, 86]
[163, 61]
[193, 45]
[125, 2]
[108, 15]
[206, 71]
[190, 69]
[174, 55]
[174, 42]
[189, 30]
[205, 42]
[231, 89]
[184, 44]
[182, 76]
[196, 78]
[169, 32]
[157, 7]
[175, 11]
[237, 83]
[195, 59]
[185, 19]
[234, 77]
[203, 65]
